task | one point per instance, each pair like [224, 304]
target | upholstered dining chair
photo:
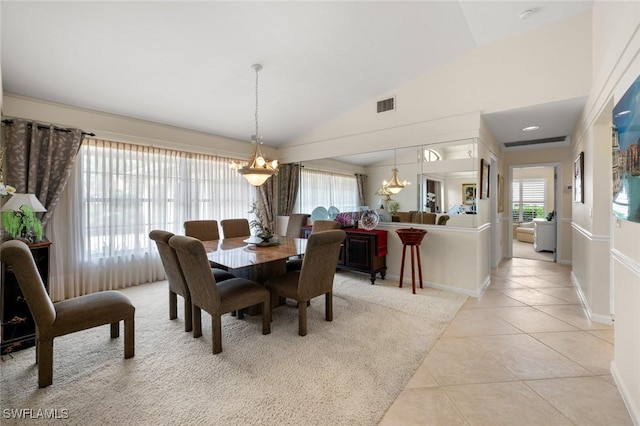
[318, 226]
[204, 230]
[314, 279]
[217, 299]
[442, 220]
[296, 222]
[235, 228]
[68, 316]
[175, 276]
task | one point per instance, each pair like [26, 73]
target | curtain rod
[42, 126]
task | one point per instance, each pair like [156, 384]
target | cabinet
[362, 251]
[18, 327]
[544, 235]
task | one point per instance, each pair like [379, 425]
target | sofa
[525, 232]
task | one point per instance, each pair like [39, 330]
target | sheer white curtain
[117, 193]
[319, 188]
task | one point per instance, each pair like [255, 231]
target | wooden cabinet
[18, 327]
[362, 251]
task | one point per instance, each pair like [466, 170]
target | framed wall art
[468, 194]
[625, 147]
[578, 179]
[484, 179]
[500, 193]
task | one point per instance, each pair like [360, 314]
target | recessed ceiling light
[525, 14]
[530, 128]
[625, 112]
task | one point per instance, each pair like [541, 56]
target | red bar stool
[413, 238]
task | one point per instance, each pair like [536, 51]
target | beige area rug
[345, 372]
[526, 251]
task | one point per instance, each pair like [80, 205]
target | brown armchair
[230, 295]
[314, 279]
[71, 315]
[175, 276]
[235, 228]
[204, 230]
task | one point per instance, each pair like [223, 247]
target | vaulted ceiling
[188, 64]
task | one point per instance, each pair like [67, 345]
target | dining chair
[175, 277]
[318, 226]
[68, 316]
[204, 230]
[235, 228]
[442, 220]
[296, 222]
[315, 278]
[217, 299]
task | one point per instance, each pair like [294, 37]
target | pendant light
[259, 169]
[394, 185]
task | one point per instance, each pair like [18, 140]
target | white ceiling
[187, 64]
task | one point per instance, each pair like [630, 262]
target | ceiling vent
[386, 105]
[535, 141]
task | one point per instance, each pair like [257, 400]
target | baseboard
[603, 319]
[632, 408]
[444, 286]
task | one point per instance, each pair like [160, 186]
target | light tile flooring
[524, 353]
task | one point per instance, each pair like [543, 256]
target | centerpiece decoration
[262, 231]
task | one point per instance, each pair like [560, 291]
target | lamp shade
[19, 200]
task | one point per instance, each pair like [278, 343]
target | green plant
[393, 206]
[262, 230]
[22, 223]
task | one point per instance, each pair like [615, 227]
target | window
[528, 199]
[318, 188]
[431, 155]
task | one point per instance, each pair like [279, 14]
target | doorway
[533, 200]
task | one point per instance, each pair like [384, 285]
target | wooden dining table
[245, 258]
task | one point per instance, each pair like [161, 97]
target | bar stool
[413, 238]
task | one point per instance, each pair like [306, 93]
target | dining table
[251, 258]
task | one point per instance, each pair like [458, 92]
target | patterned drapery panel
[268, 202]
[362, 189]
[40, 159]
[289, 180]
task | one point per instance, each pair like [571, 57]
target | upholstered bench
[525, 233]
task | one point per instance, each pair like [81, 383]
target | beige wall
[600, 240]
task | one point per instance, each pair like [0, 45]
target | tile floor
[524, 353]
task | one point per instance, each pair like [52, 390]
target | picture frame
[578, 178]
[484, 179]
[500, 193]
[469, 194]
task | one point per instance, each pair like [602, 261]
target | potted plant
[393, 206]
[262, 231]
[22, 224]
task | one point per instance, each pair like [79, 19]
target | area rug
[345, 372]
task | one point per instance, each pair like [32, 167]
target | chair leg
[302, 318]
[129, 337]
[328, 306]
[240, 314]
[216, 331]
[188, 315]
[197, 321]
[173, 305]
[115, 329]
[45, 362]
[266, 316]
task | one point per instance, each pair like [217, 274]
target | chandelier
[259, 169]
[394, 185]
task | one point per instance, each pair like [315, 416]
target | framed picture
[578, 179]
[484, 179]
[500, 194]
[468, 194]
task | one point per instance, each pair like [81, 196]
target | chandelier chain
[257, 137]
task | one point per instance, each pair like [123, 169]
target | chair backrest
[296, 222]
[319, 263]
[170, 261]
[235, 228]
[204, 230]
[17, 255]
[424, 218]
[197, 272]
[324, 225]
[442, 220]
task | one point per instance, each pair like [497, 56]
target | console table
[18, 326]
[362, 251]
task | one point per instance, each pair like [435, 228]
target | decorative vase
[369, 219]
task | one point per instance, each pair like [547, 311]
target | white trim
[589, 235]
[632, 408]
[407, 282]
[604, 319]
[626, 261]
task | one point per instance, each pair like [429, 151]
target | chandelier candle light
[394, 185]
[259, 169]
